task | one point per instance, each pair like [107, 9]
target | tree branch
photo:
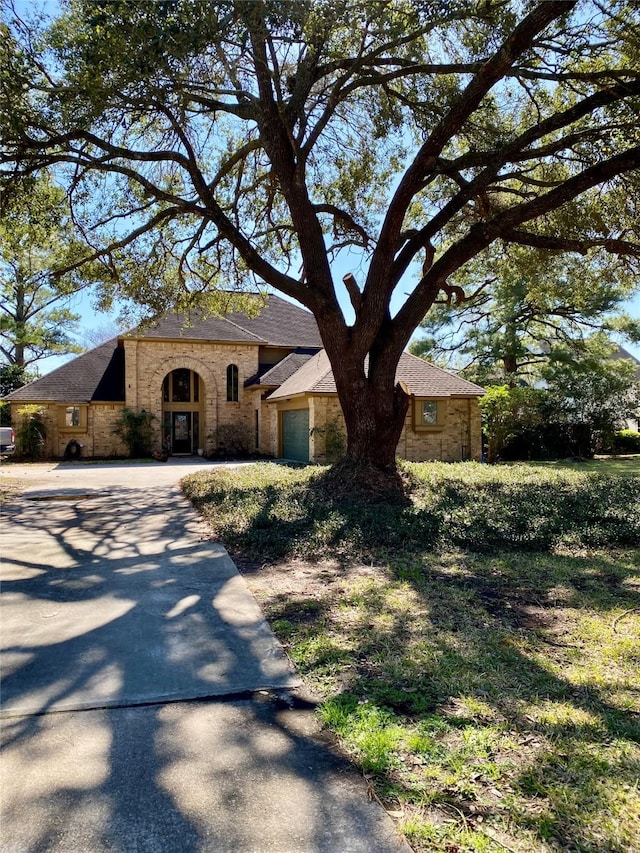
[567, 244]
[353, 290]
[345, 217]
[481, 234]
[510, 153]
[521, 38]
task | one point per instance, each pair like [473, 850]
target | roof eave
[296, 395]
[258, 342]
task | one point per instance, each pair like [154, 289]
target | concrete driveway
[146, 704]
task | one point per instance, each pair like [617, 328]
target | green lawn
[475, 650]
[619, 465]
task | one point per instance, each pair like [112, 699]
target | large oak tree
[208, 144]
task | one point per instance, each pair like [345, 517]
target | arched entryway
[182, 411]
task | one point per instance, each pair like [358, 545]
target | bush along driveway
[475, 649]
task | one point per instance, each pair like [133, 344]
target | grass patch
[487, 688]
[620, 466]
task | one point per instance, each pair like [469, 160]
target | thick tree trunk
[18, 355]
[510, 365]
[20, 315]
[374, 408]
[374, 419]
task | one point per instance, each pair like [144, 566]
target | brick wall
[96, 437]
[148, 362]
[271, 432]
[459, 438]
[49, 413]
[325, 417]
[101, 440]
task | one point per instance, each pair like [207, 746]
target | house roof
[621, 352]
[427, 380]
[97, 375]
[279, 323]
[423, 379]
[276, 375]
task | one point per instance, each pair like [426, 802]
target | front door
[181, 433]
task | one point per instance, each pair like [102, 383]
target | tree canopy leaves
[523, 305]
[237, 143]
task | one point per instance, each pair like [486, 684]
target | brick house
[220, 384]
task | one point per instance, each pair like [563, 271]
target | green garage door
[295, 435]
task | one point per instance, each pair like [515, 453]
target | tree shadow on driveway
[118, 608]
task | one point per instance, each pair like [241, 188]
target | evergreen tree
[530, 308]
[36, 239]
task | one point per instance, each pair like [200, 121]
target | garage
[295, 435]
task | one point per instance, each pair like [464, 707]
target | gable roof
[422, 378]
[97, 375]
[426, 380]
[281, 371]
[621, 352]
[279, 323]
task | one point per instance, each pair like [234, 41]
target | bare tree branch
[566, 244]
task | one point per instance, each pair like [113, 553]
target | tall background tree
[242, 143]
[580, 403]
[37, 239]
[600, 388]
[525, 307]
[540, 331]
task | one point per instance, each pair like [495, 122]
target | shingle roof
[422, 378]
[193, 328]
[99, 373]
[279, 323]
[427, 380]
[621, 352]
[281, 371]
[95, 375]
[314, 377]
